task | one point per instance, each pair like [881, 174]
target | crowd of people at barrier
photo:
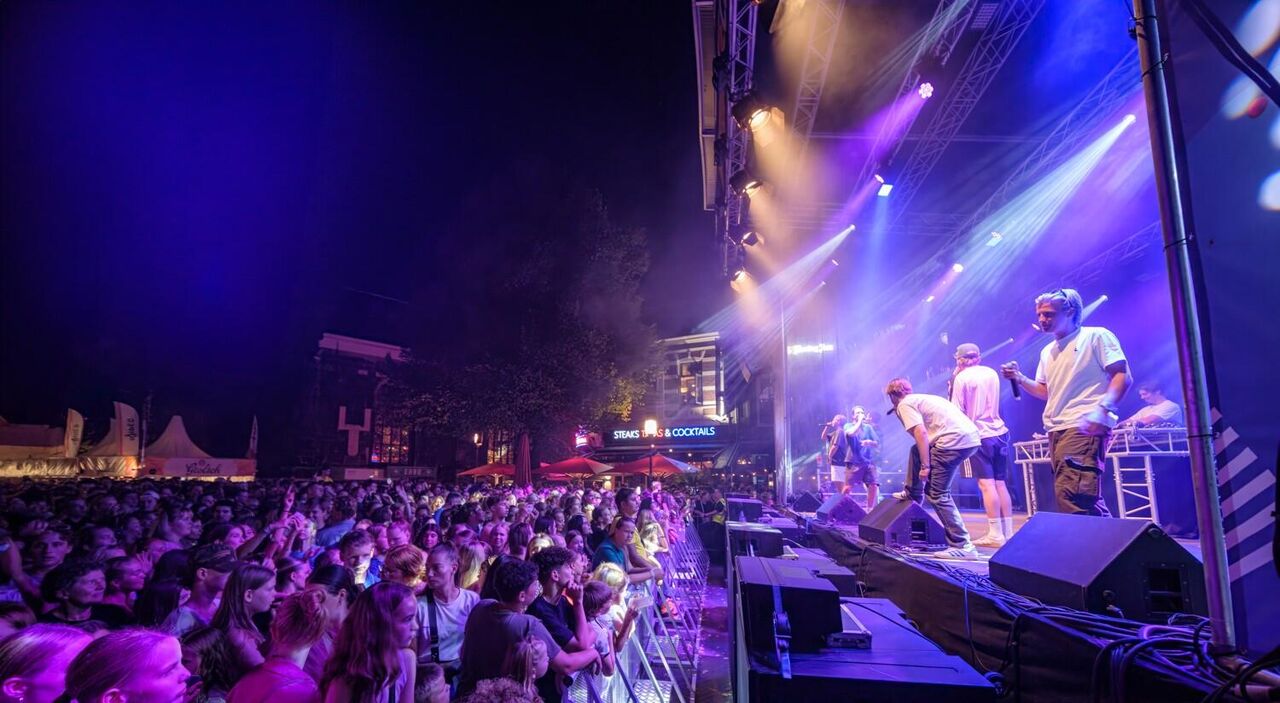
[308, 591]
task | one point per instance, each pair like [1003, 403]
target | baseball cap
[967, 348]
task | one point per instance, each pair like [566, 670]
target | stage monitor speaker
[812, 604]
[807, 502]
[752, 539]
[901, 523]
[745, 509]
[1111, 566]
[841, 508]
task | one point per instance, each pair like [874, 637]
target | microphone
[1017, 388]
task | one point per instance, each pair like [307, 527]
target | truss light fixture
[995, 239]
[745, 183]
[751, 113]
[885, 187]
[750, 238]
[926, 90]
[957, 267]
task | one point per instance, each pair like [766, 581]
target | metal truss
[962, 96]
[824, 24]
[941, 52]
[1066, 139]
[742, 16]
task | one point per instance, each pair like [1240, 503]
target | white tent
[174, 454]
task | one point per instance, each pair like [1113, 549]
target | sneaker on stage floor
[989, 540]
[966, 552]
[901, 495]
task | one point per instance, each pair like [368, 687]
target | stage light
[957, 267]
[926, 90]
[929, 299]
[751, 113]
[750, 239]
[833, 263]
[996, 238]
[745, 183]
[884, 191]
[738, 275]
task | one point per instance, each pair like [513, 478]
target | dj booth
[1150, 474]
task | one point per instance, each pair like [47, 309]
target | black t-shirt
[559, 619]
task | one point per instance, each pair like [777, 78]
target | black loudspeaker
[841, 508]
[901, 523]
[812, 604]
[807, 503]
[752, 539]
[745, 509]
[1112, 566]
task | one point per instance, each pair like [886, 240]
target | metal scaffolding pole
[1184, 274]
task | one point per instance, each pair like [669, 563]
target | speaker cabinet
[841, 508]
[752, 539]
[812, 604]
[1103, 565]
[807, 502]
[745, 509]
[901, 523]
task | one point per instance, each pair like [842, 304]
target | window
[390, 445]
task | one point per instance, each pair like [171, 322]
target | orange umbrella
[491, 470]
[656, 464]
[575, 466]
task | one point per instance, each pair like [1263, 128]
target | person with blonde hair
[34, 661]
[539, 542]
[472, 560]
[525, 662]
[299, 622]
[126, 666]
[405, 565]
[432, 688]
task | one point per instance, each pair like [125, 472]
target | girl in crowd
[250, 591]
[337, 585]
[126, 667]
[126, 577]
[526, 662]
[405, 565]
[206, 655]
[372, 661]
[291, 576]
[471, 567]
[299, 622]
[157, 601]
[33, 662]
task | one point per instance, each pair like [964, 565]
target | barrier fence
[658, 662]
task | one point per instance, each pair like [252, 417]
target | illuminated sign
[678, 434]
[798, 349]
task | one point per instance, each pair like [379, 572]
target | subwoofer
[1112, 566]
[901, 523]
[807, 502]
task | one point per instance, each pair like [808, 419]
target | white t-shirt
[1074, 370]
[451, 618]
[948, 428]
[976, 391]
[1166, 410]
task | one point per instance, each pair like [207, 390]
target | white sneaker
[991, 539]
[968, 551]
[901, 495]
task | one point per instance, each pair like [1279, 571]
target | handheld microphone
[1017, 388]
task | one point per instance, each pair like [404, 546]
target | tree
[534, 324]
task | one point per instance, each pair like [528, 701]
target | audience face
[498, 536]
[357, 557]
[441, 571]
[161, 677]
[624, 532]
[403, 622]
[397, 535]
[49, 549]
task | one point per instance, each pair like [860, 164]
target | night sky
[190, 191]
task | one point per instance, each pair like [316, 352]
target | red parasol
[491, 470]
[576, 466]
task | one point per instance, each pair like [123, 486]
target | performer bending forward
[1082, 377]
[975, 389]
[944, 438]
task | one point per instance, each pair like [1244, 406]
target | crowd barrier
[658, 662]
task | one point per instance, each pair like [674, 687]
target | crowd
[301, 592]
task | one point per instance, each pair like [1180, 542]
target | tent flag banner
[129, 429]
[1232, 136]
[75, 433]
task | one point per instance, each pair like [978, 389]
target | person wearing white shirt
[442, 612]
[944, 438]
[975, 389]
[1158, 409]
[1082, 377]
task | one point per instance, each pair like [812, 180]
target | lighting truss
[824, 24]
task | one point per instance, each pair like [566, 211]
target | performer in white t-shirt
[1082, 377]
[1157, 411]
[975, 389]
[944, 438]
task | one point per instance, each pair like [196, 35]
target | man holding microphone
[1082, 377]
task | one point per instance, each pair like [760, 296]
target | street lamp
[475, 439]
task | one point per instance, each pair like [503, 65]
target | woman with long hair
[299, 622]
[337, 585]
[472, 560]
[157, 600]
[34, 661]
[291, 576]
[250, 591]
[128, 665]
[372, 661]
[526, 662]
[207, 655]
